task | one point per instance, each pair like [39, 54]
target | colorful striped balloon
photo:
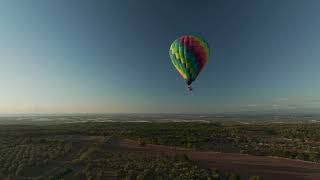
[189, 55]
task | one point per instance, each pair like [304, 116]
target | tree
[301, 156]
[142, 143]
[233, 176]
[215, 174]
[19, 170]
[181, 157]
[314, 156]
[255, 178]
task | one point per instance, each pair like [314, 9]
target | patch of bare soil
[273, 168]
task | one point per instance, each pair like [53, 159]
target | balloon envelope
[189, 55]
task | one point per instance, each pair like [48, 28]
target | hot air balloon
[189, 55]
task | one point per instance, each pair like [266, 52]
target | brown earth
[272, 168]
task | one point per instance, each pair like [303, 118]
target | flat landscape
[136, 148]
[245, 165]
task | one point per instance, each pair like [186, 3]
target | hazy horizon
[112, 56]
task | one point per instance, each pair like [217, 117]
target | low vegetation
[295, 141]
[65, 151]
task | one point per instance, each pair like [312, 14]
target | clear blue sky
[112, 56]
